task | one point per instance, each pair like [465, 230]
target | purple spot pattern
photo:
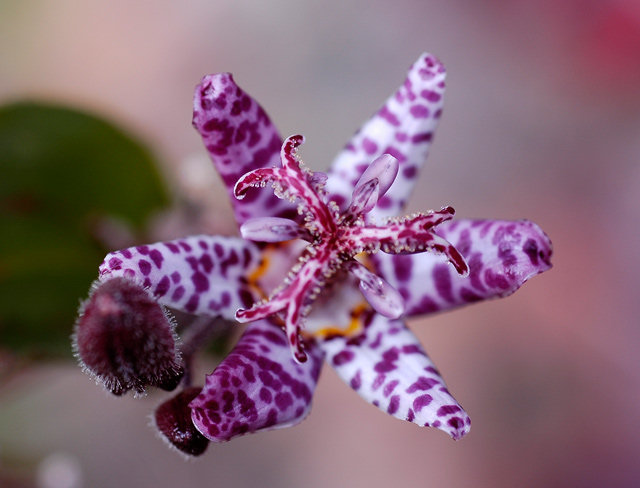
[502, 255]
[397, 376]
[205, 275]
[403, 127]
[240, 137]
[258, 386]
[386, 364]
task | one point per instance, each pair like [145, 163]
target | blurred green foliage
[61, 172]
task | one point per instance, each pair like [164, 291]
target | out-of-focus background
[542, 120]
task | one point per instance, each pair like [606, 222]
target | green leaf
[61, 171]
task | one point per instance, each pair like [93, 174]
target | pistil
[335, 239]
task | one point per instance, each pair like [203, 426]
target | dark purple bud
[125, 339]
[173, 420]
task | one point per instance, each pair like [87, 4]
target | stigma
[335, 238]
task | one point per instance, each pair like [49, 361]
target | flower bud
[125, 339]
[173, 420]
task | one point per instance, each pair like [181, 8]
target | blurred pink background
[542, 121]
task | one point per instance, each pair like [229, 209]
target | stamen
[365, 197]
[273, 229]
[383, 297]
[385, 169]
[335, 239]
[291, 182]
[318, 179]
[442, 246]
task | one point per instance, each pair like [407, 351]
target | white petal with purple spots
[502, 255]
[403, 128]
[204, 275]
[240, 137]
[387, 366]
[258, 386]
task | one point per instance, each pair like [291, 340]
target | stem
[200, 332]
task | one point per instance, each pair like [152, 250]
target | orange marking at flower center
[355, 326]
[258, 273]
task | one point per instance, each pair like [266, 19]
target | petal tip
[428, 66]
[211, 93]
[457, 435]
[457, 425]
[538, 248]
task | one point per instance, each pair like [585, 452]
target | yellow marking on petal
[275, 261]
[355, 326]
[258, 273]
[365, 259]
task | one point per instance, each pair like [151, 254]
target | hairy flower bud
[125, 339]
[173, 420]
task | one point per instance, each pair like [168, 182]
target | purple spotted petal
[403, 128]
[240, 137]
[387, 366]
[502, 255]
[258, 386]
[205, 275]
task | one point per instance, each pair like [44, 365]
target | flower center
[335, 238]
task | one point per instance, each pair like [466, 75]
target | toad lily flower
[334, 268]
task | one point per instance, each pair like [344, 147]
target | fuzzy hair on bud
[125, 339]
